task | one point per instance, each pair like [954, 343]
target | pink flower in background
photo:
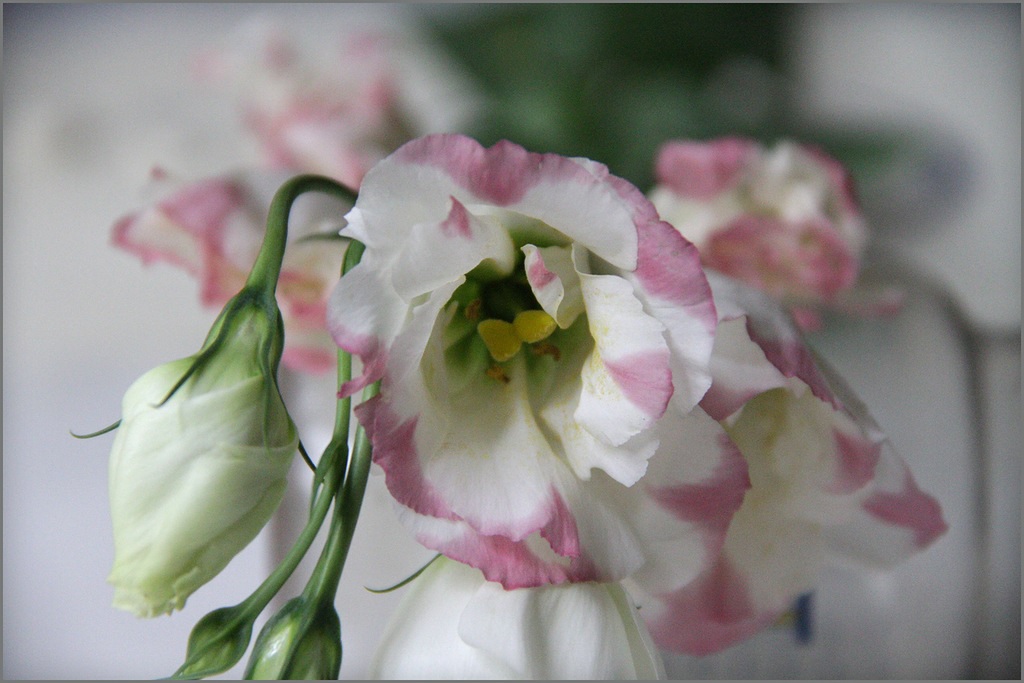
[213, 229]
[333, 109]
[784, 220]
[825, 483]
[542, 340]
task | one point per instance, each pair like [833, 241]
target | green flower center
[496, 321]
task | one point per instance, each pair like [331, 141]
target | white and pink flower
[784, 220]
[825, 483]
[213, 229]
[542, 342]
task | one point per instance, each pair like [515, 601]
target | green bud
[301, 642]
[200, 460]
[217, 643]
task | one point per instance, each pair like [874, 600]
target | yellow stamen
[500, 338]
[533, 326]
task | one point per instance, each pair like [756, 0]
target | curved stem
[267, 269]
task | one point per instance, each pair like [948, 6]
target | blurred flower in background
[784, 220]
[332, 108]
[612, 83]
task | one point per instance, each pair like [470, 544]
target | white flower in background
[825, 483]
[542, 339]
[334, 107]
[213, 228]
[453, 624]
[782, 219]
[194, 478]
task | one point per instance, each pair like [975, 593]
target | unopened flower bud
[301, 642]
[217, 643]
[199, 462]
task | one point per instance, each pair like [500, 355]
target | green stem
[267, 269]
[323, 584]
[262, 596]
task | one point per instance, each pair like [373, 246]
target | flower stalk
[220, 639]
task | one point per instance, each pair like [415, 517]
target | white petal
[626, 380]
[555, 283]
[438, 253]
[739, 370]
[625, 463]
[363, 316]
[495, 466]
[566, 632]
[422, 640]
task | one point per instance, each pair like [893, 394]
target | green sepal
[407, 580]
[99, 432]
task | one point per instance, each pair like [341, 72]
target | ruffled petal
[823, 482]
[364, 315]
[571, 195]
[494, 466]
[740, 370]
[703, 170]
[771, 328]
[554, 282]
[708, 615]
[626, 463]
[693, 488]
[627, 381]
[514, 564]
[896, 520]
[439, 253]
[670, 283]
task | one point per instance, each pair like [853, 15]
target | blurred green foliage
[612, 82]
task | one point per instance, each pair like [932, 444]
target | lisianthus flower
[196, 471]
[825, 482]
[213, 229]
[782, 219]
[333, 109]
[453, 624]
[542, 340]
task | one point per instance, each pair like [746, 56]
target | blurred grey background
[923, 102]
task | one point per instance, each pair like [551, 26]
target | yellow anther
[533, 326]
[500, 338]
